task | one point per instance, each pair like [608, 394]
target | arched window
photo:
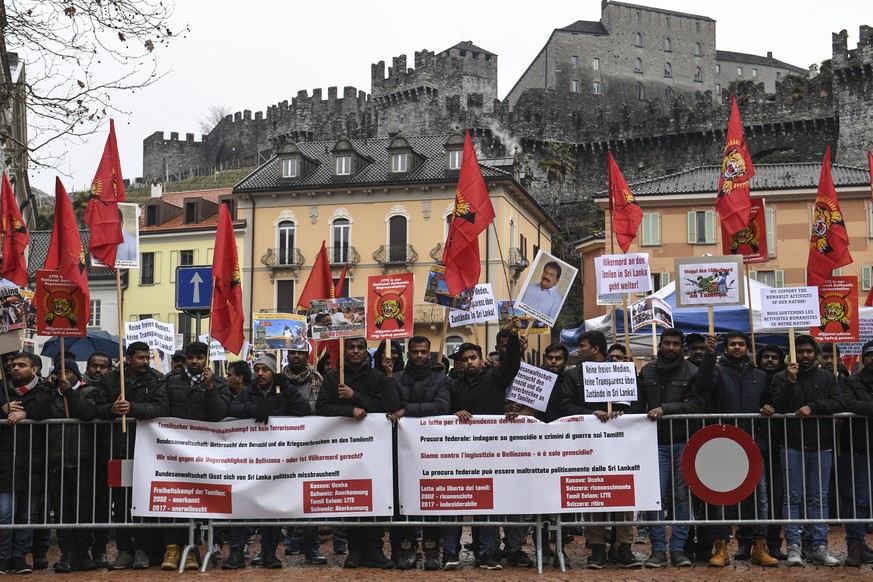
[668, 93]
[698, 75]
[397, 238]
[341, 240]
[668, 70]
[638, 39]
[638, 65]
[667, 44]
[697, 50]
[641, 91]
[286, 232]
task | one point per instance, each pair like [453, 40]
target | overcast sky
[253, 54]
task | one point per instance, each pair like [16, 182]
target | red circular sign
[721, 464]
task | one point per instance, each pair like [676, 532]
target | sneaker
[432, 559]
[192, 561]
[597, 559]
[235, 560]
[794, 558]
[140, 560]
[293, 548]
[657, 559]
[451, 560]
[216, 552]
[19, 566]
[259, 559]
[775, 549]
[626, 558]
[100, 560]
[123, 560]
[642, 537]
[340, 548]
[488, 561]
[679, 559]
[519, 558]
[406, 559]
[4, 566]
[86, 563]
[822, 556]
[171, 558]
[314, 557]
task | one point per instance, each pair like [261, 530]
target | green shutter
[753, 275]
[710, 227]
[692, 227]
[780, 278]
[866, 276]
[770, 228]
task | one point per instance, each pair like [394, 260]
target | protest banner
[216, 350]
[651, 311]
[274, 331]
[290, 468]
[506, 310]
[627, 273]
[158, 335]
[532, 387]
[493, 465]
[546, 287]
[838, 301]
[751, 242]
[437, 292]
[482, 308]
[609, 381]
[391, 299]
[709, 281]
[865, 334]
[28, 307]
[340, 317]
[60, 306]
[789, 307]
[611, 299]
[12, 307]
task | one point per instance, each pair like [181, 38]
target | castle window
[641, 91]
[668, 70]
[596, 88]
[638, 66]
[697, 49]
[399, 162]
[668, 94]
[698, 75]
[667, 44]
[463, 53]
[343, 165]
[574, 85]
[754, 73]
[739, 71]
[717, 68]
[595, 64]
[638, 39]
[697, 25]
[455, 159]
[718, 88]
[574, 61]
[290, 168]
[778, 76]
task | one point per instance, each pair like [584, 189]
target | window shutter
[157, 268]
[837, 272]
[665, 279]
[753, 275]
[869, 219]
[770, 227]
[710, 227]
[866, 278]
[692, 228]
[779, 278]
[174, 262]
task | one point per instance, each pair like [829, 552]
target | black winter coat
[196, 402]
[147, 395]
[674, 389]
[288, 402]
[858, 398]
[486, 393]
[817, 389]
[22, 446]
[71, 444]
[423, 392]
[373, 392]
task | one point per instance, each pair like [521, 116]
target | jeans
[752, 507]
[15, 543]
[670, 465]
[489, 538]
[854, 504]
[812, 469]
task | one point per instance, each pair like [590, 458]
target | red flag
[15, 237]
[869, 301]
[341, 282]
[101, 215]
[829, 240]
[734, 199]
[319, 285]
[227, 318]
[472, 214]
[65, 252]
[626, 212]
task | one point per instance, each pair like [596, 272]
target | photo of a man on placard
[546, 287]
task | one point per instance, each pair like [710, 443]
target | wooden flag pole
[120, 346]
[342, 357]
[792, 352]
[710, 312]
[654, 339]
[443, 332]
[751, 316]
[64, 377]
[834, 355]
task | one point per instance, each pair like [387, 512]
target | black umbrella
[83, 347]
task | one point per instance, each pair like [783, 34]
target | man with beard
[194, 393]
[592, 348]
[98, 364]
[805, 389]
[696, 348]
[365, 390]
[556, 356]
[853, 463]
[667, 386]
[22, 460]
[736, 386]
[424, 391]
[482, 391]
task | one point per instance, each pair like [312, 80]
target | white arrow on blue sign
[193, 288]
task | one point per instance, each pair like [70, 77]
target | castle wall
[853, 88]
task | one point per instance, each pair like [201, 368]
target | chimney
[769, 54]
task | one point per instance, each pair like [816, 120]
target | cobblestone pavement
[293, 566]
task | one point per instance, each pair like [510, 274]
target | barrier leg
[559, 543]
[210, 544]
[539, 543]
[191, 547]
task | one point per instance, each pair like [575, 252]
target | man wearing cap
[804, 389]
[71, 465]
[696, 348]
[667, 386]
[853, 463]
[366, 390]
[270, 394]
[178, 362]
[194, 393]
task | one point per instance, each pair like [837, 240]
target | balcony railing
[395, 255]
[436, 253]
[343, 255]
[517, 260]
[282, 258]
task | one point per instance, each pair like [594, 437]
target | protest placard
[546, 287]
[532, 387]
[391, 299]
[12, 307]
[506, 311]
[865, 334]
[60, 306]
[751, 242]
[157, 334]
[705, 281]
[127, 256]
[651, 310]
[838, 310]
[628, 273]
[437, 292]
[340, 317]
[609, 381]
[482, 308]
[275, 331]
[216, 350]
[786, 307]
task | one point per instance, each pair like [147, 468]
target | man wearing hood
[736, 386]
[667, 386]
[805, 389]
[853, 463]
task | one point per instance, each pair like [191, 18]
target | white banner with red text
[289, 468]
[493, 465]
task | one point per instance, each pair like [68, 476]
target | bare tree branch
[213, 115]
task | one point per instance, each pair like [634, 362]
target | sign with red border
[721, 464]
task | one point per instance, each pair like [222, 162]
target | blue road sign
[193, 288]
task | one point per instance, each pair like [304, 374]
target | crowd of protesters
[60, 469]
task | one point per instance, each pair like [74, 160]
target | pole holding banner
[751, 316]
[342, 357]
[64, 376]
[792, 352]
[120, 345]
[710, 313]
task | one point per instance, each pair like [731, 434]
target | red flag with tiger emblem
[65, 252]
[734, 204]
[626, 212]
[15, 237]
[472, 214]
[227, 316]
[829, 240]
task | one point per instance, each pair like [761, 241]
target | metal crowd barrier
[87, 447]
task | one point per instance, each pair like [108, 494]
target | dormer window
[343, 165]
[455, 157]
[290, 168]
[152, 215]
[454, 151]
[399, 162]
[293, 164]
[190, 212]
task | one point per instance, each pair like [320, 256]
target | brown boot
[761, 554]
[720, 556]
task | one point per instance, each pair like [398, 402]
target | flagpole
[792, 353]
[834, 355]
[443, 331]
[120, 345]
[63, 377]
[342, 367]
[751, 317]
[710, 312]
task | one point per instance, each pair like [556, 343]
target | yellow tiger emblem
[835, 311]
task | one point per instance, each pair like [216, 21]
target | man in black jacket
[805, 389]
[145, 397]
[364, 391]
[853, 462]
